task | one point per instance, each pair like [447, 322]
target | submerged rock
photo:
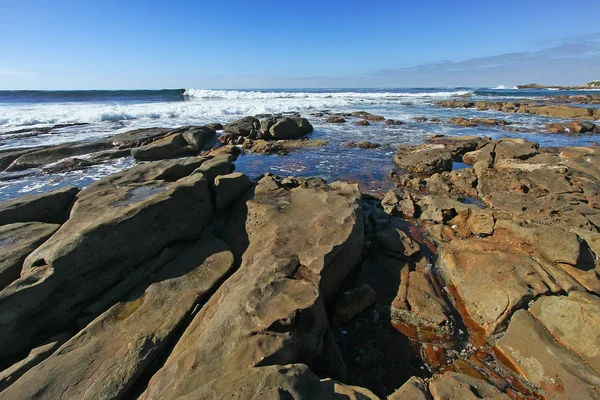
[335, 120]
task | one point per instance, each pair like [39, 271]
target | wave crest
[265, 95]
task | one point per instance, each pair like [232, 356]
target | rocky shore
[476, 276]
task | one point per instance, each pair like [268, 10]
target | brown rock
[49, 155]
[420, 312]
[564, 111]
[555, 128]
[515, 148]
[229, 188]
[478, 221]
[200, 137]
[335, 120]
[368, 145]
[485, 154]
[276, 382]
[35, 356]
[582, 127]
[120, 344]
[16, 242]
[399, 204]
[459, 145]
[424, 160]
[531, 351]
[53, 207]
[393, 122]
[138, 137]
[276, 296]
[71, 268]
[451, 385]
[573, 322]
[290, 128]
[353, 302]
[242, 127]
[70, 164]
[172, 146]
[463, 122]
[490, 281]
[398, 243]
[414, 389]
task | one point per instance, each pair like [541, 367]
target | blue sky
[274, 44]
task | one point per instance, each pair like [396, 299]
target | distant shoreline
[587, 86]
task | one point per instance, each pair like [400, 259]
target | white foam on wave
[210, 105]
[256, 95]
[502, 87]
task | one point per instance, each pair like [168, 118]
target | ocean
[104, 113]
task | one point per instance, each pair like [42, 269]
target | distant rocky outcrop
[527, 107]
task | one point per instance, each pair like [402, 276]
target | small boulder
[17, 241]
[582, 127]
[521, 149]
[353, 302]
[335, 120]
[172, 146]
[393, 122]
[242, 127]
[425, 160]
[396, 242]
[290, 128]
[200, 137]
[462, 122]
[555, 128]
[368, 145]
[214, 126]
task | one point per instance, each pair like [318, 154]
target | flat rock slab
[35, 356]
[299, 246]
[276, 382]
[452, 385]
[17, 241]
[52, 207]
[424, 160]
[104, 359]
[574, 322]
[110, 233]
[531, 351]
[53, 154]
[488, 282]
